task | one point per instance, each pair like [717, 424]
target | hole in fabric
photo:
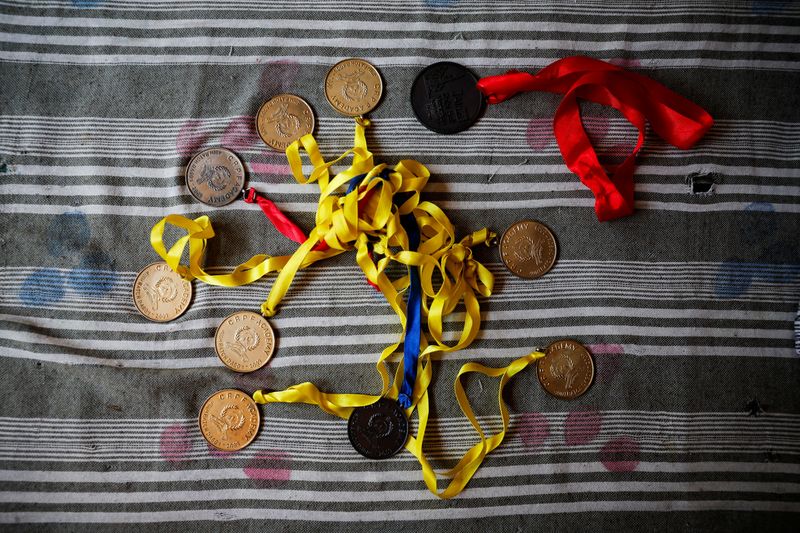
[702, 183]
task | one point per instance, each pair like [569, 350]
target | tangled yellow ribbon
[368, 220]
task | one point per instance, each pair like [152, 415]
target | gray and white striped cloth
[689, 306]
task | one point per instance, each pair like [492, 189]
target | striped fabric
[689, 307]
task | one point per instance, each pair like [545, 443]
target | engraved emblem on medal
[244, 341]
[160, 294]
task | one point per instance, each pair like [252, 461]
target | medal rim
[552, 237]
[238, 160]
[303, 100]
[440, 130]
[359, 449]
[139, 309]
[591, 367]
[377, 73]
[216, 335]
[200, 420]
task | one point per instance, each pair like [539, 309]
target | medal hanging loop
[674, 118]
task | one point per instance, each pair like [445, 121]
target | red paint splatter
[278, 77]
[620, 454]
[607, 360]
[270, 168]
[269, 468]
[540, 133]
[175, 443]
[190, 138]
[240, 134]
[533, 429]
[581, 427]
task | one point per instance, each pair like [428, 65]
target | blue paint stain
[68, 234]
[764, 207]
[94, 276]
[44, 286]
[731, 280]
[439, 3]
[766, 7]
[735, 277]
[86, 3]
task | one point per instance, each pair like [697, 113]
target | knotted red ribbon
[674, 118]
[284, 224]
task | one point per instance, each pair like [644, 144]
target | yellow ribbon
[342, 405]
[367, 220]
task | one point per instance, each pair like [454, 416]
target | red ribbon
[281, 222]
[284, 224]
[674, 118]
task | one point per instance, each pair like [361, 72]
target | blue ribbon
[413, 321]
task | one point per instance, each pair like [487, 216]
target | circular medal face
[229, 420]
[567, 369]
[353, 87]
[160, 294]
[244, 341]
[528, 249]
[445, 98]
[378, 431]
[215, 177]
[284, 119]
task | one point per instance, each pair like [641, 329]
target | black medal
[379, 430]
[445, 98]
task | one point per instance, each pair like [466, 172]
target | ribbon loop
[674, 118]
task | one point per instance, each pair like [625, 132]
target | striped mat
[689, 307]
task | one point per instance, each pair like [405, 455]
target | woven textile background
[689, 306]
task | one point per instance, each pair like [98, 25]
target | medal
[566, 371]
[353, 87]
[160, 294]
[379, 430]
[284, 119]
[445, 98]
[215, 177]
[229, 420]
[528, 249]
[244, 341]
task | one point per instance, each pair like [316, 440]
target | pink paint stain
[175, 443]
[240, 134]
[596, 127]
[533, 429]
[269, 468]
[625, 62]
[278, 77]
[270, 168]
[215, 452]
[581, 427]
[616, 154]
[620, 454]
[607, 360]
[540, 133]
[190, 138]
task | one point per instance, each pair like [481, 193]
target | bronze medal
[215, 177]
[353, 87]
[160, 294]
[567, 369]
[284, 119]
[244, 341]
[528, 249]
[379, 430]
[229, 420]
